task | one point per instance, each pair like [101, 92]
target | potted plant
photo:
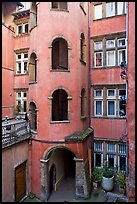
[121, 180]
[96, 177]
[108, 178]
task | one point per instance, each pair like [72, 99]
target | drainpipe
[89, 72]
[89, 85]
[127, 160]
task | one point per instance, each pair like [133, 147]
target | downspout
[89, 86]
[127, 160]
[89, 73]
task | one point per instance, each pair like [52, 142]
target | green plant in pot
[108, 178]
[96, 176]
[121, 180]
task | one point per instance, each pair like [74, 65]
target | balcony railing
[14, 131]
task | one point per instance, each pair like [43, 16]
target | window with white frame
[21, 101]
[122, 102]
[98, 154]
[22, 63]
[98, 59]
[121, 50]
[121, 8]
[111, 102]
[97, 11]
[110, 54]
[121, 157]
[98, 102]
[111, 147]
[111, 159]
[22, 28]
[110, 9]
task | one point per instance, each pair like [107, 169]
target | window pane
[110, 58]
[122, 149]
[120, 8]
[98, 59]
[19, 29]
[25, 67]
[97, 11]
[97, 159]
[19, 56]
[111, 93]
[98, 146]
[122, 56]
[98, 93]
[98, 45]
[121, 42]
[26, 28]
[25, 55]
[98, 107]
[54, 4]
[111, 108]
[111, 161]
[110, 43]
[122, 163]
[111, 147]
[110, 9]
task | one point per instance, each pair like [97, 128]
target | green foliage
[97, 175]
[108, 171]
[121, 180]
[18, 108]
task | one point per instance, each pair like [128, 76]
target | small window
[122, 102]
[25, 55]
[26, 28]
[110, 93]
[98, 56]
[111, 158]
[98, 93]
[98, 45]
[82, 48]
[59, 5]
[98, 159]
[20, 29]
[122, 42]
[122, 163]
[110, 43]
[110, 58]
[98, 11]
[110, 9]
[19, 56]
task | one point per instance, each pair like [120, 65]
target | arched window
[59, 54]
[33, 68]
[33, 116]
[83, 102]
[82, 48]
[59, 105]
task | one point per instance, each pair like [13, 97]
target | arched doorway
[57, 173]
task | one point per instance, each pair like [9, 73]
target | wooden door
[20, 181]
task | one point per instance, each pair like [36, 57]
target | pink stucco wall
[11, 158]
[7, 72]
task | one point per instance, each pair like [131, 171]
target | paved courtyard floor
[66, 193]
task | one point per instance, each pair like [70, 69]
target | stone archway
[56, 162]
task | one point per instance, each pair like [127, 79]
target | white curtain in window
[111, 58]
[110, 9]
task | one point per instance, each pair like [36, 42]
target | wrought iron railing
[13, 131]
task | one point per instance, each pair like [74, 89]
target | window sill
[103, 18]
[83, 117]
[82, 61]
[106, 67]
[22, 35]
[109, 117]
[59, 70]
[58, 9]
[32, 82]
[21, 74]
[56, 122]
